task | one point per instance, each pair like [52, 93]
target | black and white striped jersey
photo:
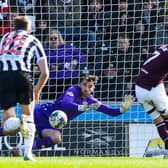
[19, 51]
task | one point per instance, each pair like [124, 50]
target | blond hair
[54, 31]
[21, 22]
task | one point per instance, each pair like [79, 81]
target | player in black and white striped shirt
[18, 51]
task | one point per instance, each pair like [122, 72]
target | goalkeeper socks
[43, 143]
[28, 142]
[1, 132]
[163, 132]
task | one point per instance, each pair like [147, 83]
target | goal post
[107, 38]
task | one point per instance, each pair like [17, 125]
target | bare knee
[56, 137]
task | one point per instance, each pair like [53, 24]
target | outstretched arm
[68, 102]
[125, 106]
[109, 110]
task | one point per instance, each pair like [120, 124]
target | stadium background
[107, 38]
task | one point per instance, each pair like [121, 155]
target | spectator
[122, 22]
[65, 63]
[42, 28]
[65, 15]
[128, 63]
[7, 24]
[149, 13]
[161, 36]
[110, 87]
[141, 41]
[24, 7]
[98, 20]
[3, 9]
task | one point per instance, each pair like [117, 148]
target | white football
[11, 124]
[58, 119]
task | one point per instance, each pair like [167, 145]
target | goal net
[107, 38]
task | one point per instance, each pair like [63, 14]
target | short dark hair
[21, 22]
[90, 78]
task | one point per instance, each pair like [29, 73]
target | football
[11, 124]
[58, 119]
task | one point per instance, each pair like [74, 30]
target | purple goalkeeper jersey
[154, 69]
[68, 102]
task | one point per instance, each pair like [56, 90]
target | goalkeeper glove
[93, 106]
[128, 101]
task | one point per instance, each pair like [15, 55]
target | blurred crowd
[109, 38]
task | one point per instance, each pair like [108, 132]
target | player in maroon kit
[150, 90]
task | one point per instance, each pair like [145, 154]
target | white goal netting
[108, 38]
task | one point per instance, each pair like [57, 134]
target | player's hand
[127, 103]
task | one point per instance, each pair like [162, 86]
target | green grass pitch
[84, 162]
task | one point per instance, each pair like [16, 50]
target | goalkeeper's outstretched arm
[125, 106]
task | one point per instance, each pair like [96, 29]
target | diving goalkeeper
[74, 101]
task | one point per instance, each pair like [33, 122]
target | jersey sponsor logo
[70, 94]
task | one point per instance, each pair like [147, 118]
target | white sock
[28, 142]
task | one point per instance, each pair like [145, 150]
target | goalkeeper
[74, 101]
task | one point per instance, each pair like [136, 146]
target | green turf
[84, 162]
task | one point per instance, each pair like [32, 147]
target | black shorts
[15, 87]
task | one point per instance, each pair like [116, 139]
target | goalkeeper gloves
[87, 107]
[126, 104]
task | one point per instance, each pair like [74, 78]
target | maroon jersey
[154, 69]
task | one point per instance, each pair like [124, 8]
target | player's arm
[68, 102]
[125, 106]
[44, 71]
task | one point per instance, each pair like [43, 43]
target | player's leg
[162, 104]
[160, 100]
[49, 137]
[5, 116]
[28, 121]
[145, 97]
[24, 89]
[7, 100]
[159, 122]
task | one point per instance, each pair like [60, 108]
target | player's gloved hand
[127, 103]
[93, 106]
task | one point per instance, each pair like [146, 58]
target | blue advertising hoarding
[135, 114]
